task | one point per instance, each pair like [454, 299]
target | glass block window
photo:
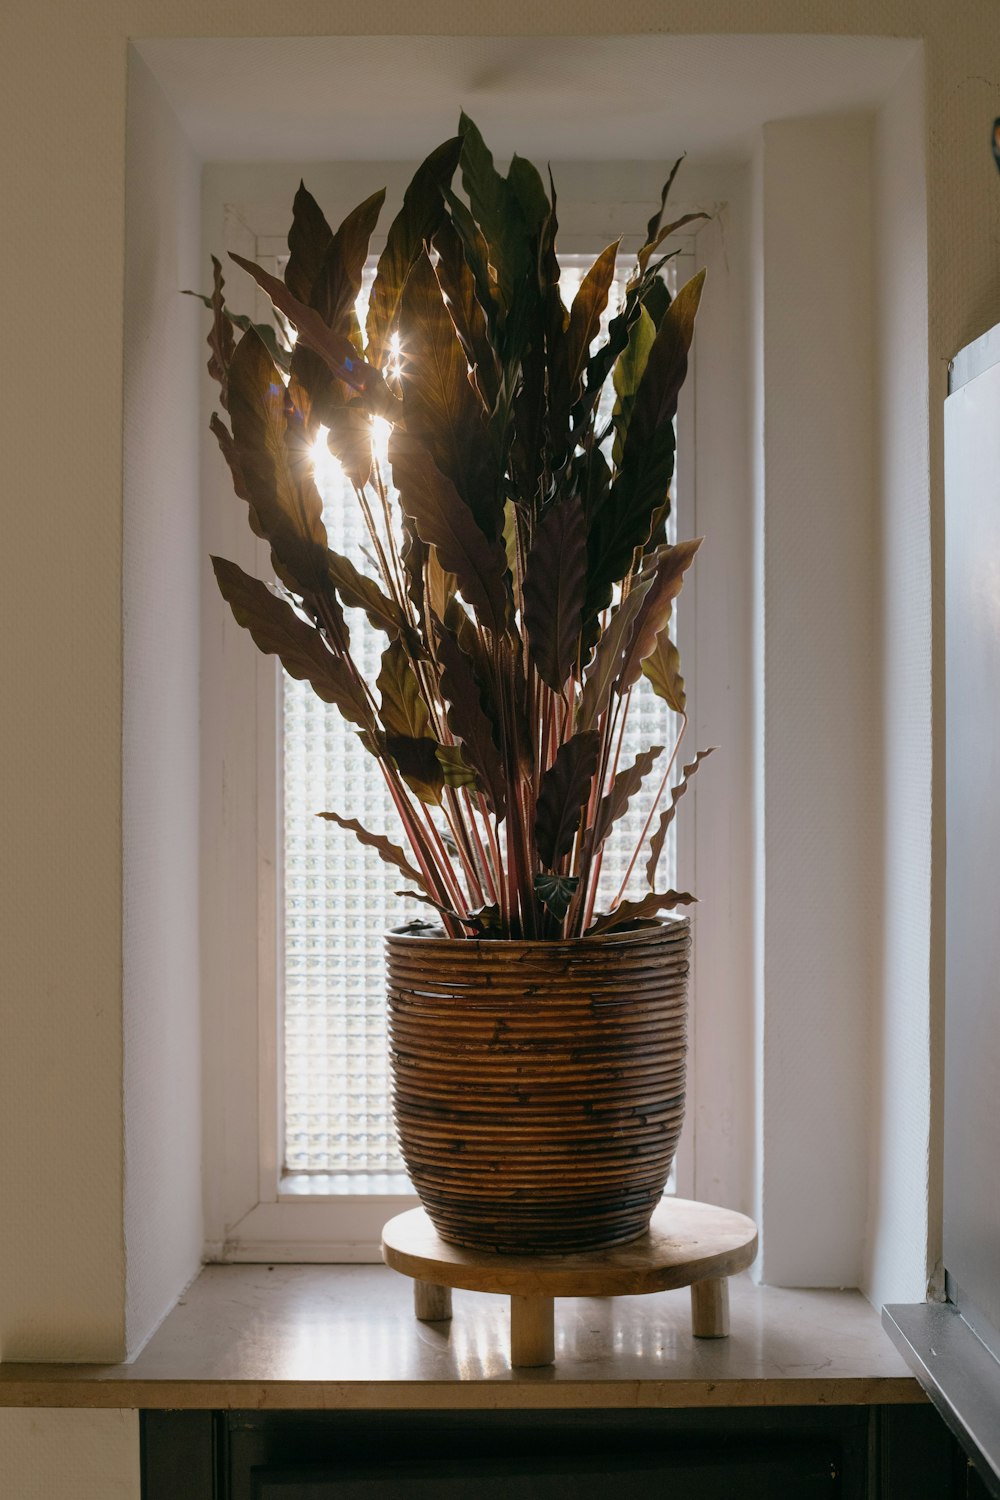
[339, 899]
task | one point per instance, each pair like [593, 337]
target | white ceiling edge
[614, 98]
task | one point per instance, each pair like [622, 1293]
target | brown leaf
[358, 591]
[667, 816]
[221, 342]
[439, 404]
[615, 802]
[562, 794]
[415, 224]
[639, 911]
[467, 719]
[441, 585]
[336, 288]
[403, 710]
[336, 350]
[666, 568]
[416, 758]
[431, 501]
[390, 853]
[554, 588]
[309, 239]
[350, 441]
[275, 463]
[225, 440]
[666, 367]
[662, 667]
[603, 671]
[586, 313]
[278, 631]
[465, 310]
[647, 465]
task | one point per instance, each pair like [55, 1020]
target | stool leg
[710, 1308]
[432, 1304]
[532, 1331]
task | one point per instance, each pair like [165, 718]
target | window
[315, 1160]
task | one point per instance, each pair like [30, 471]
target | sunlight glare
[381, 432]
[327, 471]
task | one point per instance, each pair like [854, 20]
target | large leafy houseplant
[520, 572]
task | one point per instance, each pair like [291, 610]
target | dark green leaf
[555, 582]
[640, 488]
[628, 372]
[639, 911]
[498, 213]
[666, 367]
[278, 631]
[529, 190]
[556, 892]
[562, 795]
[431, 501]
[390, 853]
[667, 816]
[413, 227]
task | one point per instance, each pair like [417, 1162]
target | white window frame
[253, 1212]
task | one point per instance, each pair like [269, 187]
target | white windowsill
[344, 1337]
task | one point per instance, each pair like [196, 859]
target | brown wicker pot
[539, 1087]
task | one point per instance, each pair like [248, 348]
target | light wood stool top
[687, 1244]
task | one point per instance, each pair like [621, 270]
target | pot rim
[437, 937]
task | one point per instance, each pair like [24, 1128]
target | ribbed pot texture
[539, 1087]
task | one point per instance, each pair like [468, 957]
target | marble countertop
[344, 1337]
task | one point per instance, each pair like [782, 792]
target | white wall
[902, 1180]
[718, 657]
[58, 1454]
[820, 711]
[160, 788]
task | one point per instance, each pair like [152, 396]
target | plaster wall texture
[63, 118]
[160, 783]
[60, 1454]
[905, 1050]
[820, 704]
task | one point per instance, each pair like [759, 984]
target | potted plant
[523, 583]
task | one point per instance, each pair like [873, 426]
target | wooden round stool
[687, 1244]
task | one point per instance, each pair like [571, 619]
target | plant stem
[652, 811]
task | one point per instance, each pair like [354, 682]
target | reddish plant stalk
[651, 814]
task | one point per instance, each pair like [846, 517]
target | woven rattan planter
[539, 1087]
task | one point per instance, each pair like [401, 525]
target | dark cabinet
[762, 1453]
